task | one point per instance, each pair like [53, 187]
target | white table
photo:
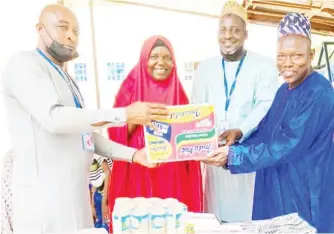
[208, 224]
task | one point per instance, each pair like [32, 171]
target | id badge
[223, 126]
[88, 141]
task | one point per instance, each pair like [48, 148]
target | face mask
[61, 53]
[235, 56]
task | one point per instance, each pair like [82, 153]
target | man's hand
[140, 157]
[231, 136]
[142, 113]
[218, 158]
[99, 124]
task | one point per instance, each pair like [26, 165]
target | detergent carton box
[188, 133]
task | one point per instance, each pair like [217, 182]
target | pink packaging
[188, 133]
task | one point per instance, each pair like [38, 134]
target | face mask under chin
[61, 53]
[234, 56]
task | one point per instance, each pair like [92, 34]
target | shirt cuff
[246, 131]
[232, 158]
[116, 117]
[127, 154]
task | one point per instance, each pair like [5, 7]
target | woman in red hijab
[153, 79]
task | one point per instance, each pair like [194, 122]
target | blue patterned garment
[98, 207]
[292, 152]
[294, 24]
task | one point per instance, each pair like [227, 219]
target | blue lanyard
[229, 94]
[76, 99]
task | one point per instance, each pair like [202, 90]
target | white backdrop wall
[121, 29]
[17, 20]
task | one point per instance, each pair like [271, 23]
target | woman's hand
[217, 158]
[105, 211]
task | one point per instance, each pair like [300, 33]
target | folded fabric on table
[290, 223]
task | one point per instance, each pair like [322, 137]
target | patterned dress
[97, 177]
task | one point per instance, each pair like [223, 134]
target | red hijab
[140, 86]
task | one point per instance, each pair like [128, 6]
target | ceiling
[321, 12]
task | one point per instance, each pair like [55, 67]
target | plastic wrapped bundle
[149, 215]
[291, 223]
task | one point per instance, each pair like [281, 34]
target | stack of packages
[149, 215]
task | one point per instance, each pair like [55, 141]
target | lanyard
[75, 97]
[229, 94]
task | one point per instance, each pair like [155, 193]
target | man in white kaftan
[52, 133]
[253, 79]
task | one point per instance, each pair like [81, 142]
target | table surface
[207, 224]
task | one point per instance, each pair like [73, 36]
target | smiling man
[241, 84]
[53, 134]
[292, 150]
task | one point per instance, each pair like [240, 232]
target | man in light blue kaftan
[241, 84]
[292, 151]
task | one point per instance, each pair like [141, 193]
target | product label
[158, 221]
[126, 223]
[188, 133]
